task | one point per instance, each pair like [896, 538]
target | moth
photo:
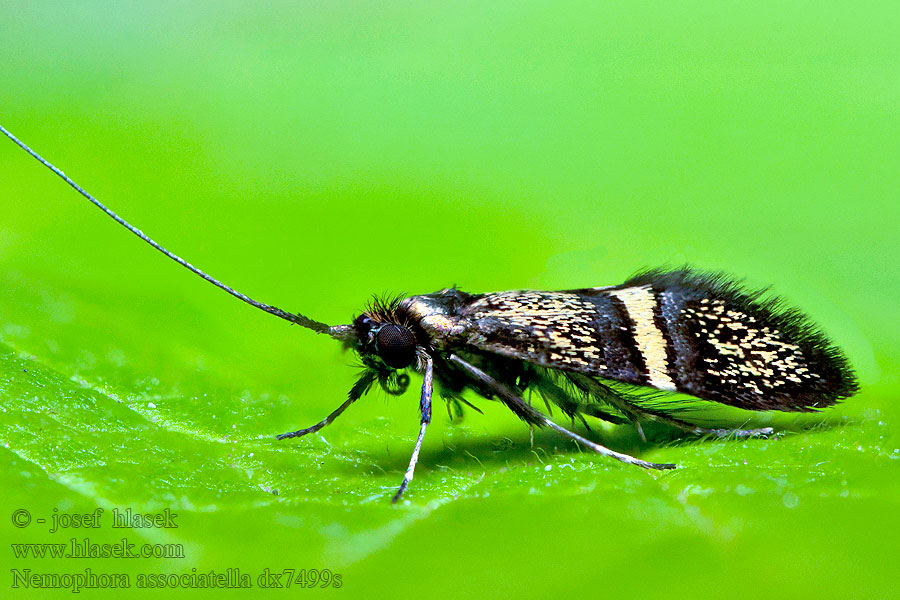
[592, 352]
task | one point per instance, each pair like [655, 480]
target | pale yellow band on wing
[640, 303]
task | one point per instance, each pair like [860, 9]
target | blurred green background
[314, 154]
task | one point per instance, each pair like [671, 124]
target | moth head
[393, 343]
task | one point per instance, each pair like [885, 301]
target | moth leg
[358, 390]
[425, 412]
[637, 413]
[450, 401]
[532, 416]
[469, 404]
[721, 433]
[640, 430]
[599, 413]
[736, 433]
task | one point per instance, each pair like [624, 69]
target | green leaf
[312, 157]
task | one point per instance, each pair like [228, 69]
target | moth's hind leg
[637, 413]
[721, 433]
[533, 417]
[762, 432]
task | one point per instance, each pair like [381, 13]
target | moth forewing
[682, 330]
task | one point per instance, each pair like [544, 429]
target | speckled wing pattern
[676, 331]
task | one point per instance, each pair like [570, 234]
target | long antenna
[338, 331]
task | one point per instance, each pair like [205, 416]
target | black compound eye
[396, 346]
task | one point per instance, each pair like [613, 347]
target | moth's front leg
[358, 390]
[533, 416]
[425, 412]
